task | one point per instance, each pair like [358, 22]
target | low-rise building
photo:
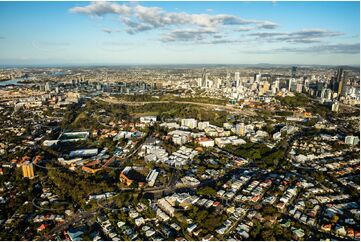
[166, 207]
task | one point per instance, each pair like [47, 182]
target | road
[173, 178]
[74, 219]
[48, 209]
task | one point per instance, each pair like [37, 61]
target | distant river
[58, 73]
[18, 80]
[12, 82]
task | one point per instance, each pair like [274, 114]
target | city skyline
[126, 33]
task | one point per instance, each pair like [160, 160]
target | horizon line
[160, 64]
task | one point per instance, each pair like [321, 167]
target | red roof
[42, 227]
[215, 204]
[200, 139]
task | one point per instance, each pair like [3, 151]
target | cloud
[244, 29]
[222, 41]
[206, 27]
[101, 8]
[225, 19]
[302, 36]
[268, 25]
[134, 27]
[268, 35]
[198, 37]
[327, 48]
[155, 17]
[138, 28]
[109, 31]
[218, 36]
[316, 33]
[186, 35]
[139, 18]
[2, 37]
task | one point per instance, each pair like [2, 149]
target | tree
[201, 216]
[212, 222]
[207, 191]
[269, 210]
[267, 235]
[255, 230]
[201, 170]
[334, 219]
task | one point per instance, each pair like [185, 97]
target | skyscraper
[204, 78]
[293, 71]
[292, 84]
[236, 76]
[339, 81]
[237, 79]
[299, 87]
[277, 84]
[47, 87]
[339, 74]
[326, 94]
[257, 77]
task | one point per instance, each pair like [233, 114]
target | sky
[127, 33]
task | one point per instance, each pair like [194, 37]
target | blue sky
[34, 33]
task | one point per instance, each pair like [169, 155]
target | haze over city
[81, 33]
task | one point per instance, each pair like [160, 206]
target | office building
[152, 177]
[337, 82]
[292, 85]
[299, 87]
[47, 87]
[276, 84]
[257, 77]
[28, 170]
[335, 106]
[203, 125]
[189, 122]
[148, 119]
[240, 129]
[166, 207]
[293, 71]
[237, 78]
[204, 77]
[352, 140]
